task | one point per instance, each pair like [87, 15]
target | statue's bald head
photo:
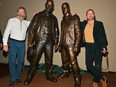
[49, 5]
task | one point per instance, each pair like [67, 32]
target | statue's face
[65, 9]
[49, 6]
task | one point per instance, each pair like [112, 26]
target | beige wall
[104, 9]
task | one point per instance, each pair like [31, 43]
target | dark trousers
[93, 54]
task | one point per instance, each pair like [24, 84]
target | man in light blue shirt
[15, 34]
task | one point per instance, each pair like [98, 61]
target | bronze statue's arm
[77, 32]
[31, 30]
[56, 32]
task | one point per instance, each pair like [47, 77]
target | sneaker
[11, 84]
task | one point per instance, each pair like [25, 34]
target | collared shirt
[88, 32]
[16, 29]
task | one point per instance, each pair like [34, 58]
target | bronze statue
[69, 45]
[43, 35]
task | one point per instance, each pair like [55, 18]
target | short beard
[21, 17]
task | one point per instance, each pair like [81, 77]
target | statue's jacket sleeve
[32, 28]
[56, 31]
[77, 32]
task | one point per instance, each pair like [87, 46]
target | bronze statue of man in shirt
[43, 35]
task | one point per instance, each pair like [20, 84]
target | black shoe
[18, 81]
[27, 82]
[50, 77]
[77, 85]
[29, 79]
[77, 81]
[63, 75]
[11, 84]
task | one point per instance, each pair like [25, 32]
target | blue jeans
[16, 59]
[93, 54]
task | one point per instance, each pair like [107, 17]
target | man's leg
[65, 64]
[75, 67]
[89, 64]
[34, 63]
[49, 62]
[12, 62]
[20, 60]
[98, 61]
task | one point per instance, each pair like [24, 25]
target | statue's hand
[75, 49]
[29, 44]
[73, 13]
[30, 54]
[56, 48]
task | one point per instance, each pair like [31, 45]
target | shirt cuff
[5, 44]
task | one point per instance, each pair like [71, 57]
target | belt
[17, 40]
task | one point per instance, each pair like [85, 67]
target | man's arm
[103, 37]
[7, 32]
[6, 35]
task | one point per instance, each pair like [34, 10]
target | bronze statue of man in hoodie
[70, 43]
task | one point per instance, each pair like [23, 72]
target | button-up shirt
[16, 29]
